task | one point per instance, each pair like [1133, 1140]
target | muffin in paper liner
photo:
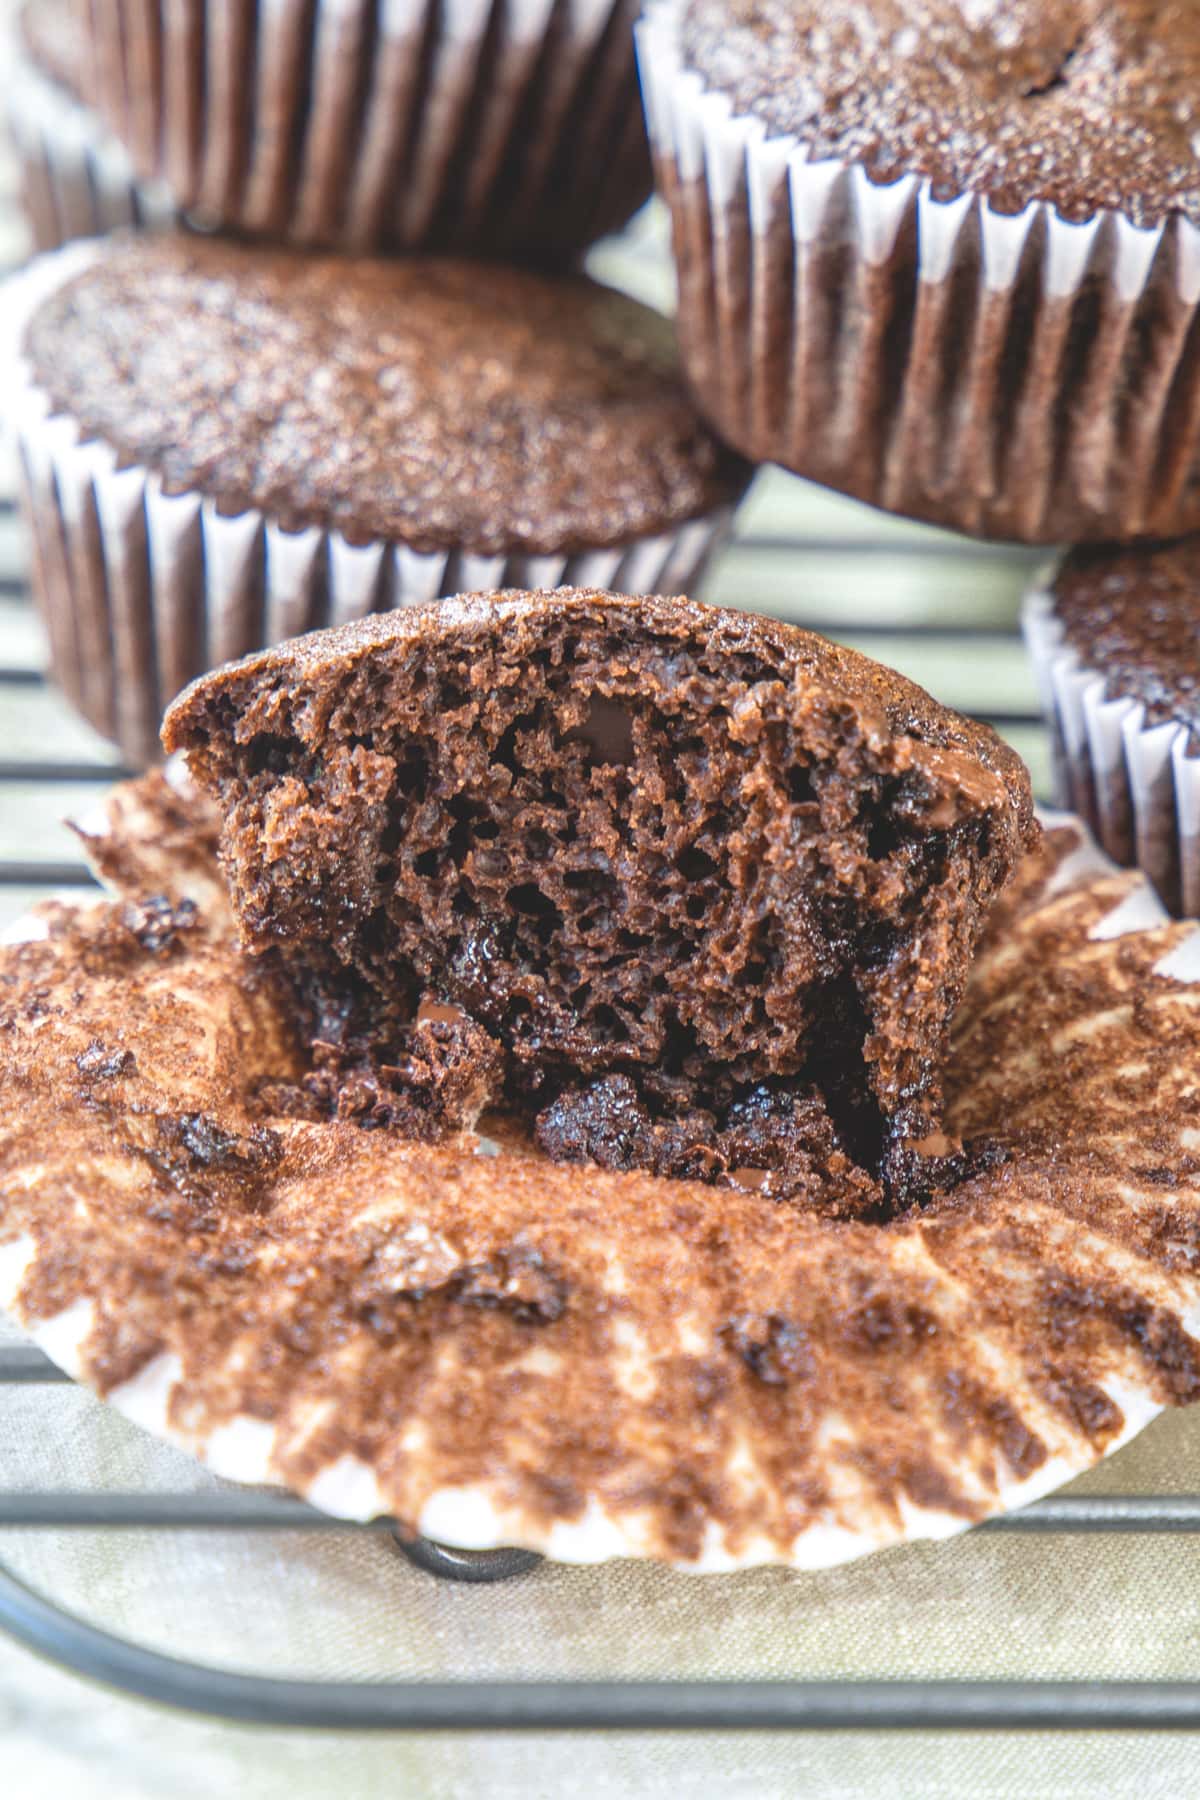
[504, 130]
[494, 1349]
[1135, 781]
[142, 589]
[1014, 376]
[76, 180]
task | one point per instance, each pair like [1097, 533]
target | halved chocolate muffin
[697, 891]
[496, 1349]
[225, 446]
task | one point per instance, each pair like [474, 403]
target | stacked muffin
[942, 259]
[227, 440]
[947, 259]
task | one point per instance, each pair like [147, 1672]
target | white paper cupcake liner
[1053, 1289]
[143, 590]
[76, 180]
[507, 126]
[1014, 376]
[1136, 784]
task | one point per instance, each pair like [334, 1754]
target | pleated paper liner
[76, 180]
[1016, 376]
[716, 1382]
[506, 127]
[1136, 783]
[142, 590]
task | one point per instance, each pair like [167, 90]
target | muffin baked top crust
[1081, 103]
[445, 405]
[1133, 615]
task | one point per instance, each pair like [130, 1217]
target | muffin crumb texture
[690, 891]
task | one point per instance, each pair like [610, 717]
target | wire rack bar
[589, 1706]
[46, 874]
[61, 771]
[247, 1509]
[25, 1362]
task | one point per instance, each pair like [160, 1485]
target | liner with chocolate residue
[1010, 375]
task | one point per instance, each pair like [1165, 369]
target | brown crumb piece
[434, 1078]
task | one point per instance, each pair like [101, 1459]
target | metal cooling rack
[50, 1630]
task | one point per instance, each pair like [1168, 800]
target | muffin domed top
[447, 405]
[1081, 103]
[1133, 615]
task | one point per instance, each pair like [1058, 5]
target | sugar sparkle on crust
[1084, 104]
[440, 404]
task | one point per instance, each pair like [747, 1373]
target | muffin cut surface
[695, 891]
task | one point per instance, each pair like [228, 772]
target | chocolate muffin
[225, 446]
[504, 131]
[942, 257]
[701, 889]
[1116, 641]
